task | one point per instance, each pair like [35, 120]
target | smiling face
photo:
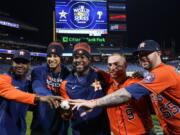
[20, 67]
[148, 59]
[80, 63]
[117, 66]
[53, 61]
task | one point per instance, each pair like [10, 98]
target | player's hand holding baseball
[65, 109]
[53, 101]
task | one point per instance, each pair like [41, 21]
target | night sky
[153, 19]
[147, 19]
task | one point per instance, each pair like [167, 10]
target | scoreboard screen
[81, 17]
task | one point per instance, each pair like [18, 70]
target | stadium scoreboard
[81, 17]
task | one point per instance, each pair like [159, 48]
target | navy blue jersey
[47, 120]
[12, 114]
[88, 87]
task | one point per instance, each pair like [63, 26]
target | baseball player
[86, 83]
[46, 80]
[14, 88]
[162, 83]
[133, 117]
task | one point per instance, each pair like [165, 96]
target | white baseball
[65, 105]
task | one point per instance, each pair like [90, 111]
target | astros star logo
[96, 85]
[80, 52]
[53, 50]
[21, 53]
[142, 45]
[149, 77]
[63, 14]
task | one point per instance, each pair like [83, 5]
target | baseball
[65, 105]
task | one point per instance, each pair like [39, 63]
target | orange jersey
[8, 91]
[63, 91]
[164, 83]
[132, 118]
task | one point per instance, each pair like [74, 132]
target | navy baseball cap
[148, 45]
[55, 47]
[22, 54]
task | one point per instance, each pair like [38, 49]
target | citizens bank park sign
[66, 39]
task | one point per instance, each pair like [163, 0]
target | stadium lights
[6, 51]
[9, 24]
[8, 58]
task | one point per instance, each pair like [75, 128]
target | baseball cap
[55, 47]
[148, 45]
[82, 48]
[22, 54]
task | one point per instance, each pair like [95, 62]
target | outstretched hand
[88, 105]
[53, 101]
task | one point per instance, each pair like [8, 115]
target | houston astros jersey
[45, 119]
[164, 83]
[131, 118]
[12, 114]
[91, 86]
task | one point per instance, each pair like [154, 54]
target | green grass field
[157, 127]
[28, 121]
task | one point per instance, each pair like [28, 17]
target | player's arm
[116, 98]
[8, 91]
[122, 95]
[38, 83]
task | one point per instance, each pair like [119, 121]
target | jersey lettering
[53, 83]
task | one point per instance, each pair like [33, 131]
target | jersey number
[173, 110]
[130, 114]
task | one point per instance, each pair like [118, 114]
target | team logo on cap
[142, 45]
[53, 50]
[80, 52]
[149, 77]
[21, 53]
[97, 85]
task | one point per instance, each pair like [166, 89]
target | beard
[80, 70]
[19, 73]
[148, 67]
